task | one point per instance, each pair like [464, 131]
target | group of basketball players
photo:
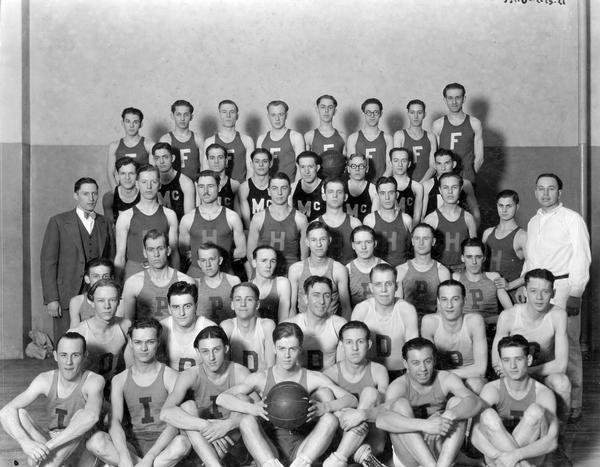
[350, 265]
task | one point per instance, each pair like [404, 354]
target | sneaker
[364, 456]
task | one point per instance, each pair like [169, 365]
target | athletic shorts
[288, 441]
[142, 442]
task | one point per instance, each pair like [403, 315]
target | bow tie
[87, 215]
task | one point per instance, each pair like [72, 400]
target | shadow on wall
[351, 121]
[253, 127]
[394, 121]
[208, 126]
[302, 123]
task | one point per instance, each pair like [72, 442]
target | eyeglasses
[358, 166]
[372, 113]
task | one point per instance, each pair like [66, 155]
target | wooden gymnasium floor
[581, 443]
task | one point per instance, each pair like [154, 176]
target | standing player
[70, 416]
[410, 192]
[80, 307]
[459, 132]
[239, 147]
[392, 227]
[249, 335]
[363, 244]
[253, 195]
[283, 144]
[307, 192]
[183, 140]
[216, 157]
[274, 291]
[392, 322]
[371, 141]
[325, 137]
[131, 145]
[126, 194]
[140, 392]
[362, 194]
[420, 143]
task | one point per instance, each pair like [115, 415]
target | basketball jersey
[460, 139]
[60, 410]
[340, 247]
[216, 231]
[358, 283]
[366, 381]
[502, 256]
[181, 353]
[283, 236]
[171, 196]
[420, 288]
[435, 200]
[187, 156]
[258, 200]
[226, 195]
[236, 156]
[152, 300]
[318, 349]
[541, 338]
[310, 204]
[375, 151]
[455, 350]
[270, 382]
[428, 403]
[269, 305]
[511, 410]
[249, 352]
[305, 274]
[454, 233]
[392, 239]
[137, 152]
[406, 199]
[215, 304]
[481, 296]
[86, 310]
[360, 205]
[206, 391]
[420, 150]
[104, 356]
[284, 156]
[138, 226]
[119, 205]
[321, 143]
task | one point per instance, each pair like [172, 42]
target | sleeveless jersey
[249, 352]
[187, 156]
[306, 273]
[270, 382]
[340, 247]
[284, 236]
[215, 304]
[454, 350]
[144, 404]
[481, 296]
[171, 196]
[269, 305]
[420, 150]
[392, 239]
[360, 205]
[226, 195]
[137, 152]
[152, 300]
[310, 204]
[461, 140]
[216, 231]
[206, 391]
[104, 357]
[321, 143]
[358, 283]
[319, 349]
[258, 200]
[356, 388]
[60, 410]
[510, 409]
[87, 309]
[502, 256]
[181, 353]
[120, 205]
[420, 288]
[454, 233]
[375, 151]
[541, 338]
[236, 156]
[406, 199]
[426, 404]
[434, 198]
[284, 156]
[138, 226]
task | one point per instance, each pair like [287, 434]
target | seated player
[368, 381]
[325, 137]
[182, 326]
[80, 307]
[266, 443]
[145, 293]
[216, 157]
[410, 192]
[392, 322]
[126, 194]
[362, 195]
[319, 264]
[70, 416]
[307, 191]
[253, 195]
[320, 328]
[520, 427]
[137, 395]
[211, 429]
[418, 278]
[458, 336]
[545, 327]
[363, 244]
[275, 291]
[249, 335]
[426, 425]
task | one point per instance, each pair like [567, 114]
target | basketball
[287, 405]
[333, 164]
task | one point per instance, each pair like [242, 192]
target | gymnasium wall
[89, 60]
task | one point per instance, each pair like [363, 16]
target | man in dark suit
[72, 239]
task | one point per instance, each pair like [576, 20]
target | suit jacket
[63, 256]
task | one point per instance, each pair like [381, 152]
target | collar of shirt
[86, 218]
[541, 212]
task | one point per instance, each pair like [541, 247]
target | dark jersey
[461, 140]
[360, 205]
[376, 153]
[171, 196]
[119, 205]
[310, 204]
[187, 156]
[420, 150]
[236, 156]
[258, 200]
[321, 143]
[284, 156]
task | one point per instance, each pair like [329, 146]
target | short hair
[134, 111]
[83, 181]
[417, 343]
[162, 145]
[149, 168]
[248, 285]
[356, 154]
[261, 151]
[311, 281]
[280, 176]
[512, 194]
[182, 288]
[228, 101]
[330, 180]
[317, 224]
[371, 100]
[383, 180]
[383, 267]
[127, 161]
[361, 228]
[263, 246]
[181, 102]
[423, 225]
[288, 330]
[415, 102]
[209, 173]
[96, 262]
[513, 340]
[452, 174]
[444, 152]
[211, 332]
[216, 146]
[153, 234]
[327, 96]
[408, 153]
[473, 243]
[71, 335]
[146, 323]
[539, 273]
[205, 246]
[454, 86]
[103, 283]
[315, 157]
[551, 175]
[452, 283]
[354, 325]
[275, 103]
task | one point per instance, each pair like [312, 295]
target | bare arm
[297, 141]
[284, 291]
[249, 145]
[351, 146]
[302, 223]
[173, 238]
[477, 142]
[476, 327]
[308, 139]
[229, 399]
[184, 236]
[243, 203]
[294, 276]
[340, 275]
[238, 234]
[431, 170]
[417, 190]
[268, 327]
[561, 347]
[389, 144]
[472, 201]
[74, 307]
[131, 289]
[471, 225]
[174, 415]
[401, 271]
[502, 330]
[122, 231]
[253, 233]
[117, 434]
[343, 398]
[189, 193]
[470, 404]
